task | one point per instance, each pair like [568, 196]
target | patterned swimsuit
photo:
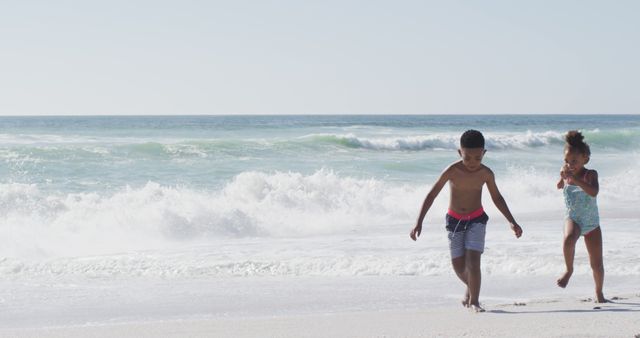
[581, 208]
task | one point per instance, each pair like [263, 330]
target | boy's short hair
[472, 139]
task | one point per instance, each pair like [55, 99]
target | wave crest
[442, 141]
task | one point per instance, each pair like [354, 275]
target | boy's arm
[501, 204]
[428, 201]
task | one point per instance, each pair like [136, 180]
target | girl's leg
[593, 241]
[571, 235]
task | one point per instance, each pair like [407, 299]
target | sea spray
[232, 196]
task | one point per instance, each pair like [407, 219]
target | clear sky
[319, 57]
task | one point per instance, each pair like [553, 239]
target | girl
[580, 188]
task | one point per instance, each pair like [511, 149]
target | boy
[466, 220]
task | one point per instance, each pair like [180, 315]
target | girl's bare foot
[600, 298]
[564, 280]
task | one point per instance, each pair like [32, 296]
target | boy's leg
[593, 241]
[459, 266]
[571, 235]
[456, 247]
[474, 246]
[474, 277]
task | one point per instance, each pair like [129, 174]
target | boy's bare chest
[467, 182]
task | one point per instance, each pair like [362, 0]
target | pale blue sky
[319, 57]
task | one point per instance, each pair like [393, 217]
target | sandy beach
[546, 318]
[319, 307]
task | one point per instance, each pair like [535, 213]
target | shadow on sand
[606, 307]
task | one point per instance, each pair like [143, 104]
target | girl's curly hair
[574, 143]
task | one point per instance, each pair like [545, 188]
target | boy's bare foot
[564, 280]
[600, 298]
[465, 300]
[476, 308]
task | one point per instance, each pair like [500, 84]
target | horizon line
[316, 114]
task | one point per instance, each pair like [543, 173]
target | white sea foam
[379, 254]
[253, 204]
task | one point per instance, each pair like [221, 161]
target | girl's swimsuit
[581, 208]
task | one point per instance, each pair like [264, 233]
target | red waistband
[468, 216]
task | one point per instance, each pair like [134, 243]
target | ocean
[238, 201]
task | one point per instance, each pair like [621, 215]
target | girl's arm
[589, 184]
[428, 201]
[563, 175]
[501, 204]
